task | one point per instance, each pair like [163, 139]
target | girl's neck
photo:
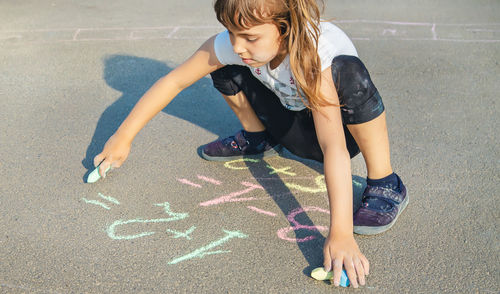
[276, 61]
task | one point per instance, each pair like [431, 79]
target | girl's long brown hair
[298, 22]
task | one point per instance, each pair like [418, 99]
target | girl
[293, 81]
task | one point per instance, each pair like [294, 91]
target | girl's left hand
[344, 251]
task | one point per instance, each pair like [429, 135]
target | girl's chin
[256, 63]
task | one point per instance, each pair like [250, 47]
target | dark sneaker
[379, 209]
[236, 147]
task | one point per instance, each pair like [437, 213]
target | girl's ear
[284, 29]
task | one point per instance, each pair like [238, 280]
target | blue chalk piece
[320, 274]
[344, 280]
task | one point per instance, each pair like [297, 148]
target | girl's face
[258, 45]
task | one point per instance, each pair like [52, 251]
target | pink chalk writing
[232, 196]
[283, 233]
[187, 182]
[203, 178]
[210, 180]
[261, 211]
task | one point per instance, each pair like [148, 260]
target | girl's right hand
[115, 152]
[340, 251]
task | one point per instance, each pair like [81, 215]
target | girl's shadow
[310, 241]
[133, 76]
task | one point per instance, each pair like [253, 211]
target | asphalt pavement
[168, 221]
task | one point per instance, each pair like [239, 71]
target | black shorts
[295, 129]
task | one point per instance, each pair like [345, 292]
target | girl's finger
[360, 271]
[337, 271]
[116, 164]
[98, 159]
[366, 265]
[327, 260]
[103, 168]
[351, 272]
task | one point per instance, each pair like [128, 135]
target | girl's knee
[352, 80]
[225, 79]
[357, 93]
[350, 70]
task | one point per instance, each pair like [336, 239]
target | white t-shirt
[332, 42]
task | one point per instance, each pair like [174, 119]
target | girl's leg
[373, 141]
[244, 111]
[247, 96]
[253, 140]
[363, 112]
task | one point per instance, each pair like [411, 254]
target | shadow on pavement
[310, 241]
[133, 76]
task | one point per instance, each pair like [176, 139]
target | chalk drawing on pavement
[261, 211]
[182, 234]
[203, 251]
[101, 204]
[248, 191]
[282, 233]
[174, 216]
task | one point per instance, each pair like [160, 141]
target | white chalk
[94, 176]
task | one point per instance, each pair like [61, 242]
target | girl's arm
[340, 247]
[201, 63]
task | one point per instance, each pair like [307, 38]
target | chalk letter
[181, 234]
[231, 197]
[282, 170]
[229, 163]
[174, 217]
[320, 183]
[282, 233]
[203, 251]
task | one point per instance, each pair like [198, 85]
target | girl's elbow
[335, 150]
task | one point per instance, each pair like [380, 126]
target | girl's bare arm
[201, 63]
[340, 247]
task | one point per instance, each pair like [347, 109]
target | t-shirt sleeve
[332, 43]
[224, 50]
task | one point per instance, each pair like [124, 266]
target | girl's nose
[238, 47]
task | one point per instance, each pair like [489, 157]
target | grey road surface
[168, 221]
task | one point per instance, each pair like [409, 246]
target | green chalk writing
[203, 251]
[96, 202]
[182, 234]
[174, 217]
[99, 203]
[109, 198]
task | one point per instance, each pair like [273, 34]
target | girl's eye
[252, 39]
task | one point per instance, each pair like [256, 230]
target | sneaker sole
[366, 230]
[271, 152]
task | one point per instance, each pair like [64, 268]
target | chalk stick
[94, 176]
[321, 275]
